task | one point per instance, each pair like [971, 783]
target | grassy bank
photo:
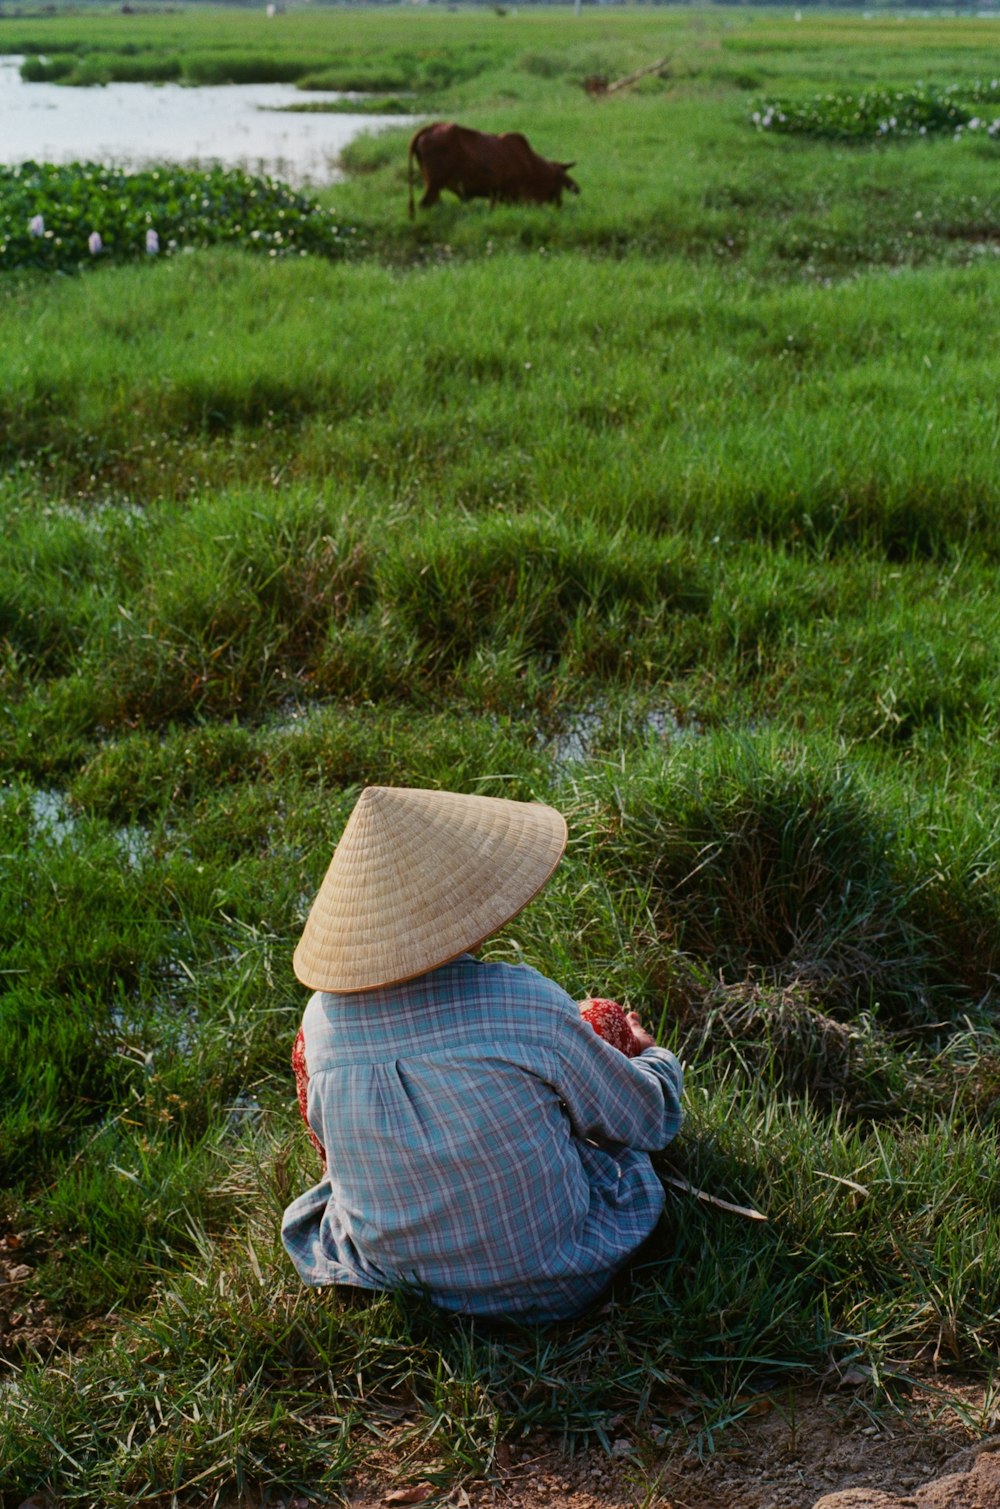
[677, 508]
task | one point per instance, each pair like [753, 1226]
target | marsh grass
[760, 859]
[829, 416]
[677, 509]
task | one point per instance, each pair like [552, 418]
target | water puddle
[100, 517]
[591, 731]
[54, 822]
[243, 1114]
[50, 815]
[134, 125]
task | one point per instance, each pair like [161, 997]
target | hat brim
[420, 877]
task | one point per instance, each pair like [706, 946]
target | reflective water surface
[133, 125]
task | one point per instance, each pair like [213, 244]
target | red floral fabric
[610, 1022]
[302, 1088]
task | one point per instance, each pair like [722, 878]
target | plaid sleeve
[611, 1098]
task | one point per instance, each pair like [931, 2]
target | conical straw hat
[419, 877]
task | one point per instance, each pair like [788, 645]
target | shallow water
[54, 823]
[133, 125]
[586, 730]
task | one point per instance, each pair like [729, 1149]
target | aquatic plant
[60, 217]
[870, 114]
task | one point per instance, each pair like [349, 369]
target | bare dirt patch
[29, 1326]
[24, 1321]
[790, 1454]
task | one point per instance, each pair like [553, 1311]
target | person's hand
[643, 1038]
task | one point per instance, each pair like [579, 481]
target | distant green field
[679, 508]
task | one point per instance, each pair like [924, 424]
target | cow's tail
[409, 167]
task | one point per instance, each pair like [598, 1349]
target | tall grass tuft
[775, 860]
[532, 580]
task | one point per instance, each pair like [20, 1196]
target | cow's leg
[431, 197]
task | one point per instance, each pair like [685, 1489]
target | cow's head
[565, 184]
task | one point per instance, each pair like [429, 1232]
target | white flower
[36, 226]
[152, 243]
[95, 243]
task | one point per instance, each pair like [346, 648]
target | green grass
[677, 508]
[812, 414]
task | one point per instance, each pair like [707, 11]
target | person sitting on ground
[483, 1140]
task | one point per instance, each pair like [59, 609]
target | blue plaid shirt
[483, 1143]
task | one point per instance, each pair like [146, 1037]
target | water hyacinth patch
[992, 128]
[62, 217]
[874, 114]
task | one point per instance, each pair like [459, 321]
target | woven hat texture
[419, 877]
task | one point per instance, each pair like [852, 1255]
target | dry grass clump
[966, 1077]
[778, 1034]
[780, 1039]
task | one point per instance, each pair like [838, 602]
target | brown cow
[475, 165]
